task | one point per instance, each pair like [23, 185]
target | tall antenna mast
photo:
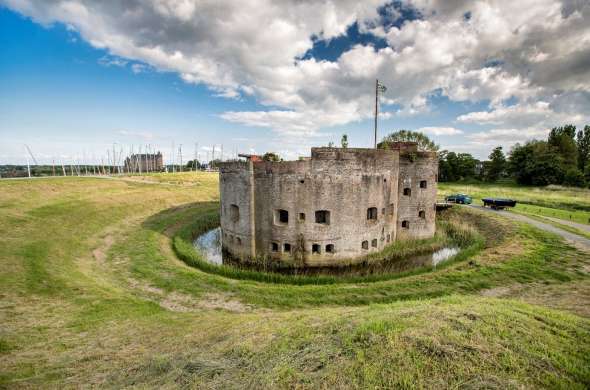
[378, 88]
[172, 155]
[180, 153]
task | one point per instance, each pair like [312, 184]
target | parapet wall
[341, 204]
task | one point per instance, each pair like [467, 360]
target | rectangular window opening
[282, 216]
[407, 192]
[330, 248]
[234, 213]
[423, 184]
[286, 247]
[301, 217]
[374, 243]
[322, 216]
[365, 245]
[406, 224]
[315, 248]
[372, 213]
[274, 247]
[422, 214]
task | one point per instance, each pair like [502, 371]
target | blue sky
[68, 91]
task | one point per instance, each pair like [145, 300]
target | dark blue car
[459, 198]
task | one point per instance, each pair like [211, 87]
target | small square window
[407, 192]
[301, 217]
[406, 224]
[330, 248]
[274, 247]
[322, 216]
[374, 243]
[423, 184]
[282, 217]
[372, 213]
[286, 247]
[365, 245]
[422, 214]
[315, 248]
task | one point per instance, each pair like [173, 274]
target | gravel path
[578, 241]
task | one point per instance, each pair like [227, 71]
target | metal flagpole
[378, 88]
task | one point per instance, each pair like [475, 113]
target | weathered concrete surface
[343, 184]
[578, 241]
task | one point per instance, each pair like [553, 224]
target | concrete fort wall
[340, 204]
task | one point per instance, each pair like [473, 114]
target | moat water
[210, 246]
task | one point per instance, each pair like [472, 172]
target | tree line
[564, 158]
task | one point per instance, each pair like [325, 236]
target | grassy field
[570, 204]
[93, 294]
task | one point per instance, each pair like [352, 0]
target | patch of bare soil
[179, 302]
[100, 253]
[498, 292]
[137, 285]
[572, 296]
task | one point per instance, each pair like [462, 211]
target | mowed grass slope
[93, 294]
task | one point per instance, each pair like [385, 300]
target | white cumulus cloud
[534, 51]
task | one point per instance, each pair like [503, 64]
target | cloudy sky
[260, 75]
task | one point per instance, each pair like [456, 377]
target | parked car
[459, 198]
[498, 203]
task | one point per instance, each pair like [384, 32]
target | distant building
[146, 162]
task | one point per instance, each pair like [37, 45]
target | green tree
[453, 166]
[562, 140]
[583, 144]
[536, 163]
[497, 165]
[270, 156]
[344, 141]
[574, 178]
[424, 143]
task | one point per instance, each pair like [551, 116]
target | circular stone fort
[337, 206]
